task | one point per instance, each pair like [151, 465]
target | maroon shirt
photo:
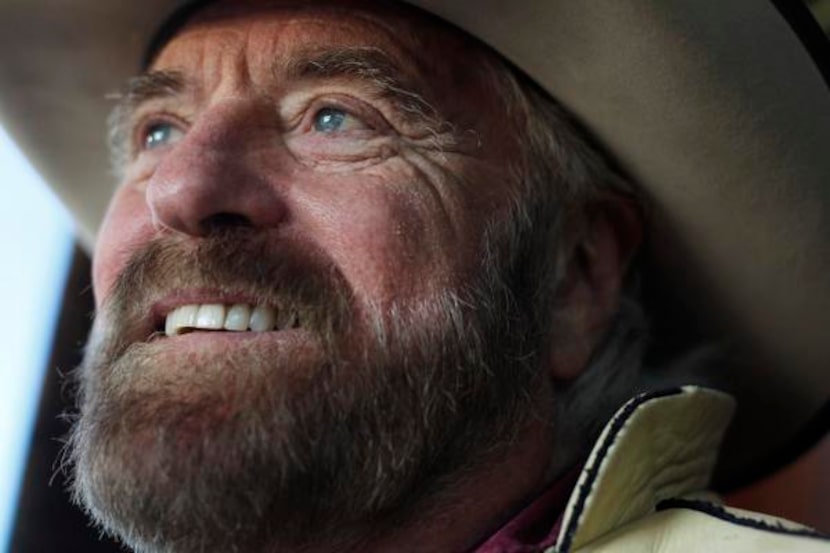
[536, 526]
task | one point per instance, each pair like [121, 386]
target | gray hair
[567, 179]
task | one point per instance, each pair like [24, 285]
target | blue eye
[329, 120]
[335, 120]
[161, 134]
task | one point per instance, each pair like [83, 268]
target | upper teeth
[237, 317]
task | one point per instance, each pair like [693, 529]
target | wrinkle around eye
[137, 162]
[319, 151]
[338, 129]
[168, 129]
[160, 134]
[301, 110]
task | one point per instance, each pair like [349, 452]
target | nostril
[220, 221]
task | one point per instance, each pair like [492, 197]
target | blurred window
[35, 248]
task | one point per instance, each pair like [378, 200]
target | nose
[222, 172]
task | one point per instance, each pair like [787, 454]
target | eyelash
[142, 129]
[370, 116]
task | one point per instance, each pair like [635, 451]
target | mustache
[234, 262]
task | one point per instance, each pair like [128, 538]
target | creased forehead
[450, 66]
[397, 17]
[419, 36]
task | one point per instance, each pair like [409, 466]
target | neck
[468, 511]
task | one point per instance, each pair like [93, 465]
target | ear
[589, 297]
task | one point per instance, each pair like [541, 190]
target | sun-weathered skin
[714, 108]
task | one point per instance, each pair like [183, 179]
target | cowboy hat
[719, 110]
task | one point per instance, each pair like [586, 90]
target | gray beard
[258, 451]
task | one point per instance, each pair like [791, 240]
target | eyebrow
[368, 64]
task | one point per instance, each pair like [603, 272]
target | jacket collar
[657, 446]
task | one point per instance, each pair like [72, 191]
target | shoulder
[692, 525]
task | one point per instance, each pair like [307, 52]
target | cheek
[389, 235]
[126, 227]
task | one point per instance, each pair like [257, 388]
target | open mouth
[239, 317]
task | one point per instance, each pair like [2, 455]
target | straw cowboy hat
[719, 110]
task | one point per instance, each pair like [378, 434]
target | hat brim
[715, 108]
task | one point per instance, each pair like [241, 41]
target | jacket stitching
[592, 471]
[722, 513]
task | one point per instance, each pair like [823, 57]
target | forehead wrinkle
[207, 71]
[381, 38]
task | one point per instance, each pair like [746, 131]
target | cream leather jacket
[643, 487]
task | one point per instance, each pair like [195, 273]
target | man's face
[341, 171]
[368, 138]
